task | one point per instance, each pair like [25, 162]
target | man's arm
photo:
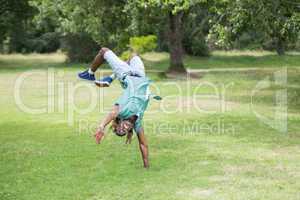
[143, 147]
[110, 117]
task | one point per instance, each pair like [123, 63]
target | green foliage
[242, 24]
[20, 31]
[167, 5]
[80, 47]
[140, 45]
[126, 55]
[46, 43]
[296, 45]
[104, 21]
[251, 40]
[143, 44]
[15, 16]
[198, 46]
[279, 20]
[196, 28]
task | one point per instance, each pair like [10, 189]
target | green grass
[160, 61]
[42, 157]
[231, 59]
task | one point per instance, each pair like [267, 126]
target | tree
[196, 29]
[104, 20]
[14, 20]
[174, 12]
[281, 21]
[113, 22]
[175, 42]
[278, 19]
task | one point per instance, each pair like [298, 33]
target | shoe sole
[83, 79]
[102, 84]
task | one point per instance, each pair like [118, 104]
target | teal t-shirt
[134, 99]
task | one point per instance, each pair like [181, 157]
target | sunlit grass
[160, 61]
[51, 57]
[227, 59]
[45, 157]
[255, 53]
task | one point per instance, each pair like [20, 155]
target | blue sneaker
[104, 82]
[86, 76]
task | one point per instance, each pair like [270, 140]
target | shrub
[143, 44]
[52, 41]
[125, 55]
[80, 47]
[196, 46]
[46, 43]
[35, 45]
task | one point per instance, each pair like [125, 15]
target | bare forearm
[143, 147]
[110, 117]
[107, 120]
[100, 130]
[144, 151]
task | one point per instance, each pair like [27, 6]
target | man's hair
[122, 127]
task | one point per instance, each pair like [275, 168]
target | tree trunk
[280, 48]
[175, 42]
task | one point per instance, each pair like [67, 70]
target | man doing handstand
[127, 112]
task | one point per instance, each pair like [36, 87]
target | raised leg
[99, 59]
[97, 62]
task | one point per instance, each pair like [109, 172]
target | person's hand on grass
[99, 135]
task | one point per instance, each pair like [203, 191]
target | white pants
[121, 68]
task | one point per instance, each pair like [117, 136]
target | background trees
[14, 21]
[276, 22]
[181, 26]
[173, 12]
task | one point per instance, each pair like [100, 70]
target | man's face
[122, 127]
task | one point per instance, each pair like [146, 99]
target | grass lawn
[160, 61]
[201, 147]
[230, 59]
